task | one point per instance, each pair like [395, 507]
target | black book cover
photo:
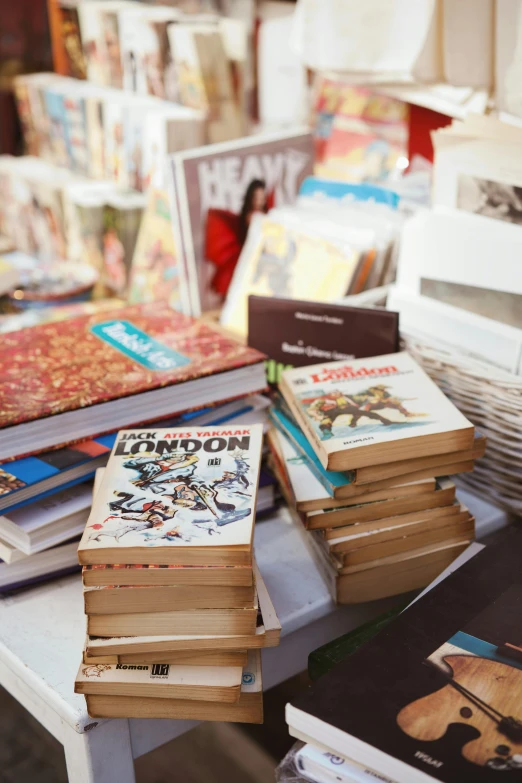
[295, 333]
[440, 688]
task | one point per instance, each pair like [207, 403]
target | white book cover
[178, 487]
[46, 511]
[145, 50]
[325, 767]
[370, 401]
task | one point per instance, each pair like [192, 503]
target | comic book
[155, 264]
[372, 411]
[289, 254]
[180, 496]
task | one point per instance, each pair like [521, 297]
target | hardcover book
[373, 411]
[181, 496]
[136, 364]
[217, 189]
[436, 695]
[303, 332]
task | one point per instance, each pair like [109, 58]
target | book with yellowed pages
[130, 599]
[161, 680]
[176, 497]
[461, 527]
[341, 484]
[418, 526]
[310, 494]
[247, 709]
[438, 464]
[267, 634]
[143, 574]
[397, 574]
[180, 657]
[176, 621]
[373, 411]
[442, 495]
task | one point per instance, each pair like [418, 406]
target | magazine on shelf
[215, 192]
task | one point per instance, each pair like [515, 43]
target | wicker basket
[492, 400]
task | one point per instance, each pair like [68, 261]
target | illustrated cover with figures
[218, 189]
[290, 256]
[154, 272]
[437, 694]
[168, 490]
[372, 411]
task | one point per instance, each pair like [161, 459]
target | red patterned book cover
[59, 367]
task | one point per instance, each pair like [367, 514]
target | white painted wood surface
[42, 634]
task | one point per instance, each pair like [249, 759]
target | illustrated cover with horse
[179, 496]
[437, 694]
[373, 411]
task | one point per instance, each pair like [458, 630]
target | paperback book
[180, 496]
[247, 709]
[373, 411]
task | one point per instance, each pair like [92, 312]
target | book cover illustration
[107, 356]
[377, 399]
[288, 259]
[477, 708]
[220, 189]
[72, 41]
[147, 64]
[155, 273]
[360, 136]
[175, 488]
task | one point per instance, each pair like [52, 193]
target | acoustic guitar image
[479, 692]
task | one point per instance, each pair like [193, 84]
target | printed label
[137, 345]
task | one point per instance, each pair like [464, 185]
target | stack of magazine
[176, 607]
[362, 451]
[68, 386]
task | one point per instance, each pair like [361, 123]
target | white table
[42, 635]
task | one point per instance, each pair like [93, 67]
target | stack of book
[58, 416]
[435, 695]
[362, 452]
[176, 607]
